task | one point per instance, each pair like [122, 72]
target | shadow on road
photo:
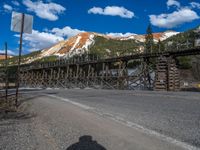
[86, 143]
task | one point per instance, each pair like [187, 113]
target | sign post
[20, 23]
[6, 66]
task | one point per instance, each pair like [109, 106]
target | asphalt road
[114, 119]
[176, 115]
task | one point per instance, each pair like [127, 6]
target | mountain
[104, 45]
[183, 38]
[157, 36]
[2, 56]
[93, 43]
[87, 42]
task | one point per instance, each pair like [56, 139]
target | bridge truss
[111, 73]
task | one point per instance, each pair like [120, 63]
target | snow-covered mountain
[78, 44]
[100, 43]
[157, 36]
[82, 42]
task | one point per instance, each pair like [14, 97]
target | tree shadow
[86, 143]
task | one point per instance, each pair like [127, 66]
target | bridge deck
[63, 63]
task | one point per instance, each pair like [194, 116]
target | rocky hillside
[2, 56]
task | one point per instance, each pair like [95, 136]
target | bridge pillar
[167, 75]
[173, 75]
[146, 74]
[122, 75]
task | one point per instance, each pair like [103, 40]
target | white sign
[16, 22]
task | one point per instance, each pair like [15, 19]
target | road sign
[22, 23]
[16, 22]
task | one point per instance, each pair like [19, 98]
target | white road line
[130, 124]
[72, 102]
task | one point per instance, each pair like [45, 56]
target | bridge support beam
[167, 75]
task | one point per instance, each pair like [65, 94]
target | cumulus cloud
[120, 34]
[180, 16]
[174, 19]
[66, 31]
[16, 3]
[112, 11]
[7, 8]
[49, 11]
[173, 3]
[195, 5]
[10, 52]
[40, 40]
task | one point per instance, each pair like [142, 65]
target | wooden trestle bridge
[111, 73]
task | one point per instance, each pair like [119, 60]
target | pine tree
[160, 47]
[149, 43]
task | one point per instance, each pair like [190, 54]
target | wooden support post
[161, 79]
[173, 75]
[103, 74]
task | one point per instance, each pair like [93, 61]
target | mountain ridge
[96, 43]
[82, 43]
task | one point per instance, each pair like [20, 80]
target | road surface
[104, 119]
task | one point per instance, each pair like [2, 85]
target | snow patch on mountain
[53, 50]
[89, 42]
[168, 34]
[82, 45]
[157, 36]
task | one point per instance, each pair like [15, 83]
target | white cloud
[16, 3]
[173, 3]
[7, 7]
[174, 19]
[66, 31]
[49, 11]
[112, 11]
[120, 34]
[10, 52]
[40, 40]
[195, 5]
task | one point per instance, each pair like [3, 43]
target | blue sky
[56, 20]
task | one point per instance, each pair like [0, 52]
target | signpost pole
[19, 61]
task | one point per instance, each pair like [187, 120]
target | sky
[57, 20]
